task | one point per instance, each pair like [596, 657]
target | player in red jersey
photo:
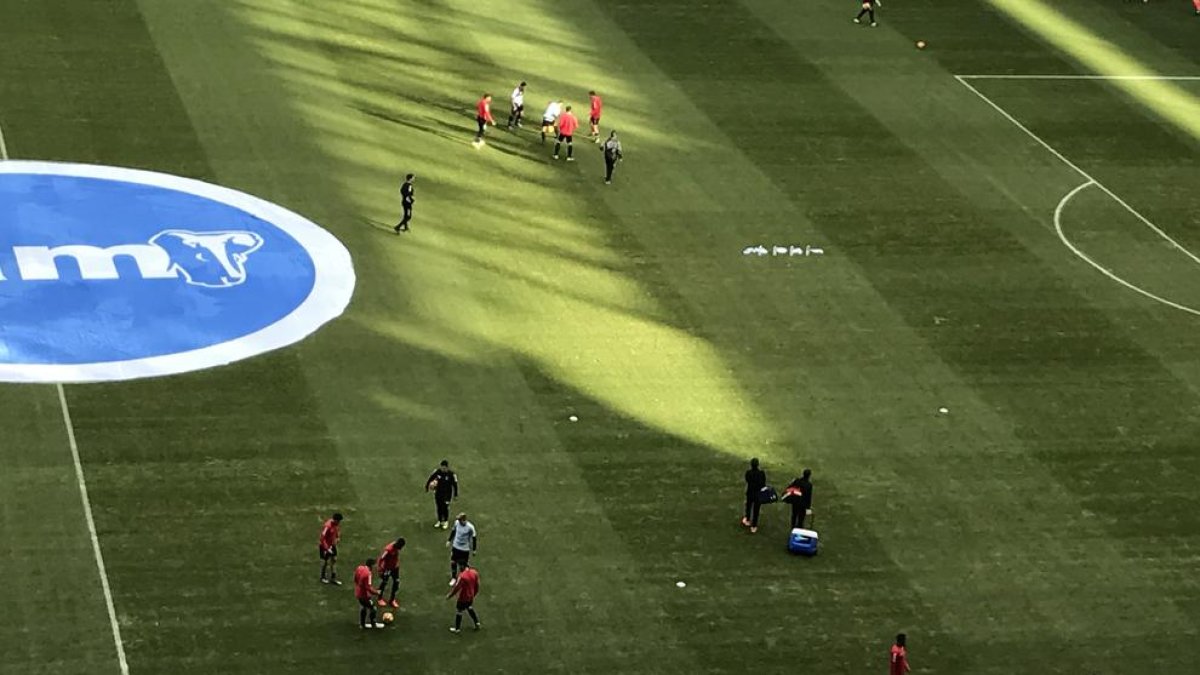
[567, 124]
[331, 532]
[1196, 4]
[483, 117]
[466, 586]
[389, 568]
[898, 664]
[594, 115]
[363, 591]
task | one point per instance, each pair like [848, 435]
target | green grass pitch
[1048, 523]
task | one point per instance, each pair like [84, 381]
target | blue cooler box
[803, 541]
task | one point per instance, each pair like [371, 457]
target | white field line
[1181, 78]
[1100, 186]
[1058, 227]
[87, 506]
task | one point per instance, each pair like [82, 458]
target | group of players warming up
[462, 541]
[558, 122]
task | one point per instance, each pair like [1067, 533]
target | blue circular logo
[113, 274]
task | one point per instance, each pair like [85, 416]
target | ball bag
[803, 542]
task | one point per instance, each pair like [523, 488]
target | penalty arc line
[1100, 186]
[87, 505]
[1058, 228]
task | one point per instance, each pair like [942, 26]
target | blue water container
[803, 541]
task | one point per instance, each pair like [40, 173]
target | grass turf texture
[1047, 524]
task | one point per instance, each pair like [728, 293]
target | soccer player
[466, 587]
[1196, 4]
[462, 542]
[756, 480]
[363, 591]
[389, 569]
[483, 117]
[550, 118]
[567, 124]
[594, 115]
[898, 664]
[331, 532]
[868, 8]
[612, 155]
[444, 484]
[518, 106]
[406, 201]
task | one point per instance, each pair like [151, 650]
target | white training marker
[573, 418]
[680, 584]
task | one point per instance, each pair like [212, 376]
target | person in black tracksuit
[406, 202]
[799, 497]
[612, 155]
[756, 480]
[444, 484]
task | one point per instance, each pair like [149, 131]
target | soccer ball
[388, 617]
[432, 485]
[920, 44]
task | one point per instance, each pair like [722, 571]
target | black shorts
[463, 605]
[458, 556]
[594, 120]
[566, 138]
[365, 603]
[327, 553]
[547, 123]
[388, 575]
[518, 109]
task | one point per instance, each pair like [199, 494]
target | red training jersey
[899, 662]
[483, 109]
[597, 104]
[468, 585]
[330, 534]
[362, 582]
[389, 558]
[567, 124]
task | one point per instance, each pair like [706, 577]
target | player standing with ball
[462, 542]
[443, 483]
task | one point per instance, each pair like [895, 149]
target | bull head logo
[211, 259]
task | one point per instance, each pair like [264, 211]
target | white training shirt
[518, 97]
[552, 111]
[463, 534]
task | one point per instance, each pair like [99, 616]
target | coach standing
[406, 202]
[612, 155]
[756, 480]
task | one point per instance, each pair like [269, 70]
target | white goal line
[1081, 77]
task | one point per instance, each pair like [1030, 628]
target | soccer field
[1008, 223]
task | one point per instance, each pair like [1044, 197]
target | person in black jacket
[756, 480]
[444, 485]
[799, 496]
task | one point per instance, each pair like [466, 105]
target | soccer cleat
[452, 582]
[873, 24]
[324, 580]
[570, 159]
[746, 522]
[556, 157]
[753, 529]
[382, 602]
[437, 524]
[608, 182]
[478, 626]
[380, 625]
[365, 626]
[445, 526]
[857, 21]
[395, 604]
[454, 630]
[335, 582]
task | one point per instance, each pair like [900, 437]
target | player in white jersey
[518, 106]
[550, 118]
[462, 543]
